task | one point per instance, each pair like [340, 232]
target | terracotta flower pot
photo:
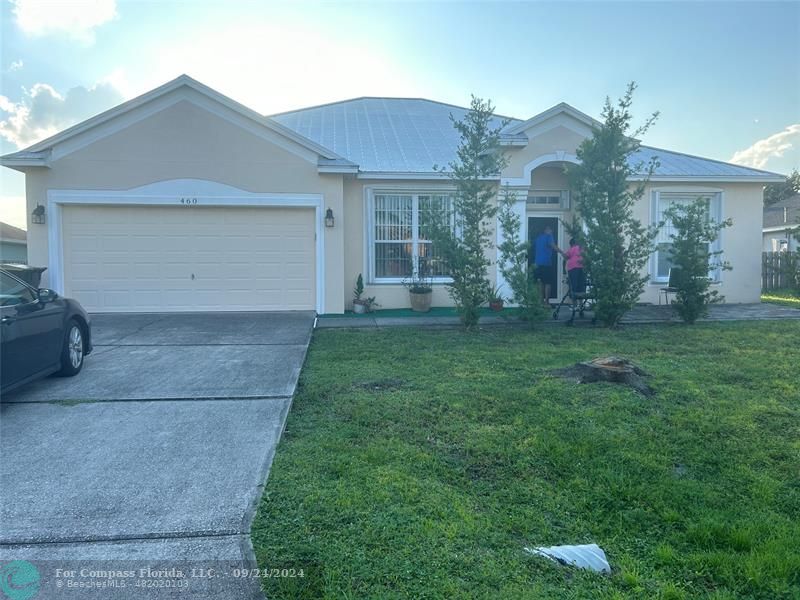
[496, 305]
[420, 302]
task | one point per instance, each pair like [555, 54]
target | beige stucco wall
[388, 295]
[549, 179]
[557, 139]
[741, 242]
[187, 141]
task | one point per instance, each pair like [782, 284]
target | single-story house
[780, 219]
[185, 200]
[13, 244]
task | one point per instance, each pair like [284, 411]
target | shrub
[463, 235]
[513, 255]
[616, 245]
[691, 253]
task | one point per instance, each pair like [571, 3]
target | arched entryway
[544, 200]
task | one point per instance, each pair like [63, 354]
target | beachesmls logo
[20, 580]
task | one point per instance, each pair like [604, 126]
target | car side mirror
[46, 296]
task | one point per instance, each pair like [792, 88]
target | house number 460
[188, 201]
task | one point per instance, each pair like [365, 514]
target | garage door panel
[156, 258]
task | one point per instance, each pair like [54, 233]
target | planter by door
[496, 305]
[420, 302]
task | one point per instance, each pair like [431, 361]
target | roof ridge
[357, 98]
[722, 162]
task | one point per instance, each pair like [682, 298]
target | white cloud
[774, 146]
[16, 66]
[74, 18]
[43, 111]
[118, 79]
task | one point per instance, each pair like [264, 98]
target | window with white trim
[548, 199]
[399, 245]
[661, 263]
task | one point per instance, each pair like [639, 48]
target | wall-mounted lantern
[37, 216]
[329, 218]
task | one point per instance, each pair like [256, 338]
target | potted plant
[496, 300]
[361, 305]
[420, 290]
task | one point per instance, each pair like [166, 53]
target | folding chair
[672, 286]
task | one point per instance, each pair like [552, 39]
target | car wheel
[72, 351]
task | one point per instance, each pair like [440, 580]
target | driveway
[156, 453]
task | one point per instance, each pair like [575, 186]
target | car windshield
[13, 291]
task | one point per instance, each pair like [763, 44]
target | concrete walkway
[154, 456]
[645, 314]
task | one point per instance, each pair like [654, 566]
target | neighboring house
[184, 200]
[13, 244]
[780, 219]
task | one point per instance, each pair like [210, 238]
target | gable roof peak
[39, 150]
[560, 108]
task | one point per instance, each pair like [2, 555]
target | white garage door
[163, 259]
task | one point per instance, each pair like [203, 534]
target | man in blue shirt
[544, 270]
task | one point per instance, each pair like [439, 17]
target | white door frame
[559, 261]
[178, 192]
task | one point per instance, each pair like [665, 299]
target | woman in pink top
[577, 279]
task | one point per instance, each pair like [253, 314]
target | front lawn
[788, 298]
[418, 464]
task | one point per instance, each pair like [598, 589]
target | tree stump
[612, 369]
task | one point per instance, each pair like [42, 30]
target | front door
[536, 226]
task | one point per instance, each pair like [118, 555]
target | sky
[725, 76]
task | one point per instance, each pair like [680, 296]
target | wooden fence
[776, 268]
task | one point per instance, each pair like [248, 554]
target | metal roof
[407, 135]
[677, 164]
[15, 235]
[411, 135]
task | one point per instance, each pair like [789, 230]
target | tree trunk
[612, 369]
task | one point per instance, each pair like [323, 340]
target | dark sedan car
[41, 333]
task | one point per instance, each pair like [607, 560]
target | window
[543, 199]
[400, 243]
[662, 201]
[12, 292]
[548, 199]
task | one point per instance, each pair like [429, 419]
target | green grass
[418, 464]
[788, 298]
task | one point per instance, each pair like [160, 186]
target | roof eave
[14, 162]
[514, 142]
[711, 178]
[406, 175]
[345, 169]
[779, 228]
